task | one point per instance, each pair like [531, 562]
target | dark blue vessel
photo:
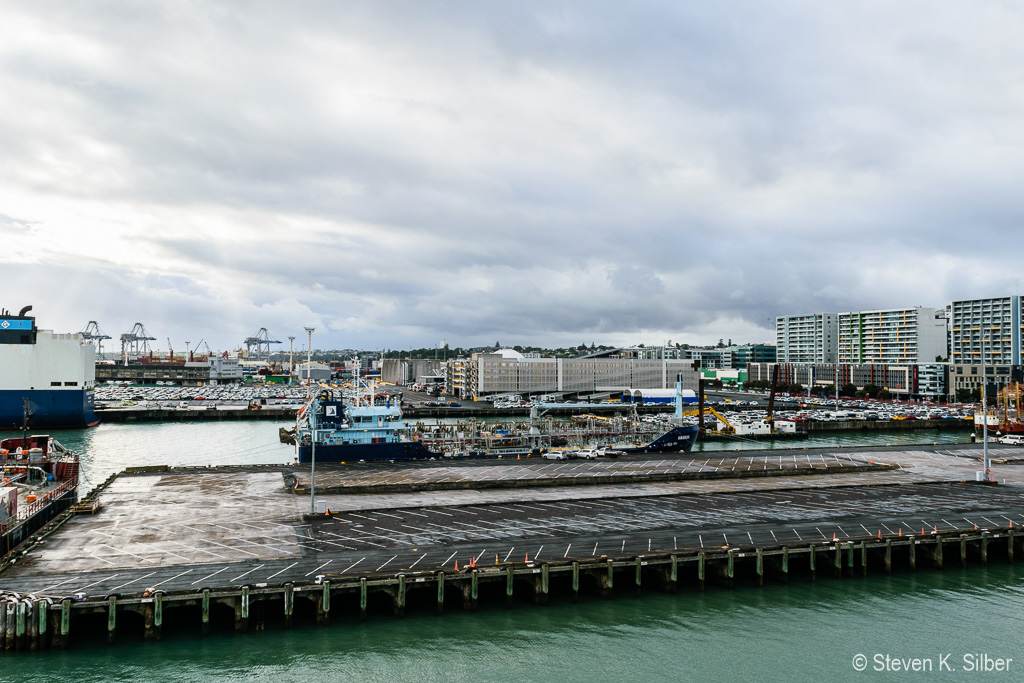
[46, 379]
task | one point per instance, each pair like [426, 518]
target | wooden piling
[639, 573]
[362, 599]
[400, 597]
[937, 557]
[608, 580]
[760, 567]
[206, 611]
[864, 558]
[509, 582]
[984, 547]
[323, 604]
[111, 618]
[1009, 545]
[576, 580]
[888, 556]
[700, 569]
[289, 604]
[963, 550]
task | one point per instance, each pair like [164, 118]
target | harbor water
[802, 630]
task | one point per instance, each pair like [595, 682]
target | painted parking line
[319, 568]
[133, 581]
[247, 573]
[210, 576]
[82, 588]
[352, 565]
[282, 571]
[187, 571]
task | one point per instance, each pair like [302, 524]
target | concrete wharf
[227, 548]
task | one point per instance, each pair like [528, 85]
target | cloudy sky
[395, 173]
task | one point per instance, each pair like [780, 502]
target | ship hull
[354, 452]
[49, 409]
[677, 440]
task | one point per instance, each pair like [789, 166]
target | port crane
[258, 346]
[135, 342]
[92, 332]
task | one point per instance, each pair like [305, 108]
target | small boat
[331, 430]
[38, 480]
[676, 440]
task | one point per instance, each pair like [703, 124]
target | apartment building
[809, 338]
[893, 336]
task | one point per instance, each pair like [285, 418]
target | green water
[800, 631]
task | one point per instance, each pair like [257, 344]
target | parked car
[1012, 439]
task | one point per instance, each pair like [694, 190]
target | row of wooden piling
[32, 622]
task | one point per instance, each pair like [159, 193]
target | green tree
[848, 390]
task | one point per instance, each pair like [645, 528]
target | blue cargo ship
[46, 379]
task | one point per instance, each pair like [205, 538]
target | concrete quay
[233, 548]
[132, 414]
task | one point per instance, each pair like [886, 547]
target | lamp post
[291, 363]
[312, 425]
[309, 357]
[984, 417]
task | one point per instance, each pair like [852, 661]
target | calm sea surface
[801, 631]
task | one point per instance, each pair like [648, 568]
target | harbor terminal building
[593, 376]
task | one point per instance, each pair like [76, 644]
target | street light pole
[984, 416]
[309, 357]
[291, 363]
[312, 424]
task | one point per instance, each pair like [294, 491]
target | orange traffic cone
[527, 556]
[975, 527]
[901, 531]
[495, 558]
[834, 539]
[879, 534]
[456, 565]
[935, 528]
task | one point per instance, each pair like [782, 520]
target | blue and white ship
[46, 379]
[335, 431]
